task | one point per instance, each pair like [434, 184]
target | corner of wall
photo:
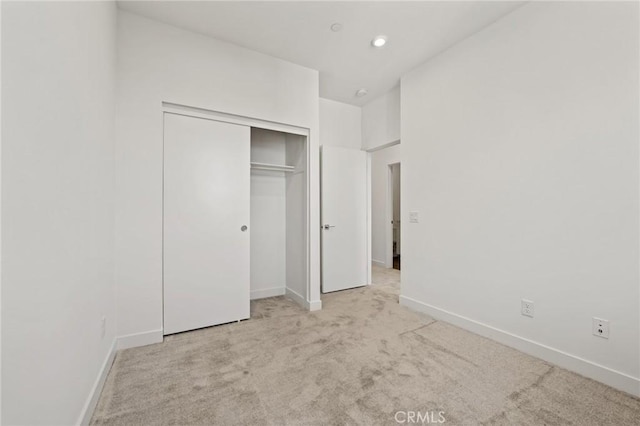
[140, 339]
[381, 121]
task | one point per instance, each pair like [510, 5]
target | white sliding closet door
[206, 207]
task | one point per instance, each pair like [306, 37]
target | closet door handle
[327, 226]
[243, 228]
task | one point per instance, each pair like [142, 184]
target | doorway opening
[395, 224]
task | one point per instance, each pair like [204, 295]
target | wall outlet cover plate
[600, 327]
[527, 308]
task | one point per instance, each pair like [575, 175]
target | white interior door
[344, 218]
[206, 206]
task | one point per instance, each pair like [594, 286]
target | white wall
[340, 124]
[58, 84]
[156, 63]
[381, 120]
[296, 217]
[268, 216]
[520, 153]
[380, 161]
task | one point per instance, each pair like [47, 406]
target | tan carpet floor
[357, 362]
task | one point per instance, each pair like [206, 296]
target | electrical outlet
[103, 327]
[413, 217]
[601, 327]
[526, 308]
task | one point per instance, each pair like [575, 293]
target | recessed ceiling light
[379, 41]
[336, 27]
[361, 92]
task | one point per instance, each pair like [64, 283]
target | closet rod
[272, 167]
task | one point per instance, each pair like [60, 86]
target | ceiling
[299, 32]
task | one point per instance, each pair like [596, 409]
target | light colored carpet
[358, 361]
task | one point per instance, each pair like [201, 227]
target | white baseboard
[96, 390]
[314, 305]
[267, 292]
[379, 263]
[600, 373]
[122, 342]
[140, 339]
[296, 297]
[310, 305]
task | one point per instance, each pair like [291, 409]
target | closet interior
[278, 215]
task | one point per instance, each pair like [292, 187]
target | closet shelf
[272, 167]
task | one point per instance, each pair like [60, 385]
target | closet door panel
[206, 204]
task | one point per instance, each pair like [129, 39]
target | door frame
[389, 215]
[196, 112]
[388, 263]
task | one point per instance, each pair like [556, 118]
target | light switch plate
[413, 217]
